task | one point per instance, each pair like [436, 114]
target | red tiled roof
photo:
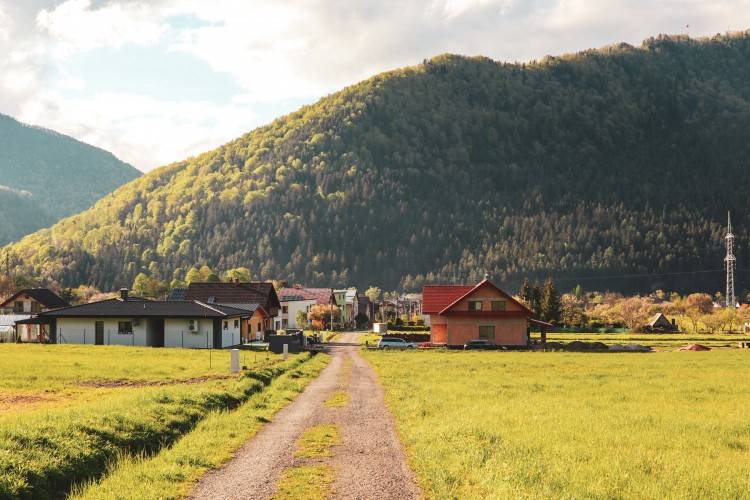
[436, 297]
[320, 295]
[443, 297]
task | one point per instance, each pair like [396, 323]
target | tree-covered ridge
[619, 160]
[56, 176]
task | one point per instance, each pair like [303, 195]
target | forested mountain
[622, 160]
[45, 176]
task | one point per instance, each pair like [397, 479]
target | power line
[642, 275]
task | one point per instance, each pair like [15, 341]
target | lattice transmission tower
[731, 261]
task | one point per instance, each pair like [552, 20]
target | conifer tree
[550, 303]
[526, 293]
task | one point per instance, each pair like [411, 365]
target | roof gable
[44, 296]
[439, 299]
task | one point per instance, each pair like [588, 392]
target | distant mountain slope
[60, 175]
[616, 161]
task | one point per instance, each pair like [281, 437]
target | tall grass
[572, 425]
[42, 457]
[172, 472]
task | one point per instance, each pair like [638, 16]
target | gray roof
[177, 294]
[139, 308]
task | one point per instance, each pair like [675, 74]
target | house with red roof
[459, 313]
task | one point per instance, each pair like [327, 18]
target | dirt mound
[578, 346]
[694, 347]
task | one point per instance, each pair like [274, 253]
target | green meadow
[70, 413]
[573, 425]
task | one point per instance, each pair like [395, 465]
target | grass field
[573, 425]
[69, 412]
[171, 473]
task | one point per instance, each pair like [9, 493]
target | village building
[347, 300]
[135, 321]
[257, 298]
[23, 305]
[460, 313]
[295, 299]
[659, 323]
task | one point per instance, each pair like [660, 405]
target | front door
[99, 333]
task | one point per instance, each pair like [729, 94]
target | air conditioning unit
[192, 325]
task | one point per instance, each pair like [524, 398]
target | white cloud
[273, 51]
[75, 26]
[4, 25]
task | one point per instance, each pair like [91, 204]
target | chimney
[487, 276]
[124, 293]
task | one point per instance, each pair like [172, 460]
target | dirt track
[369, 462]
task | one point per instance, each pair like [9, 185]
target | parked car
[480, 344]
[394, 343]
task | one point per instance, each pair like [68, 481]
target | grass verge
[172, 472]
[338, 399]
[43, 457]
[317, 441]
[311, 482]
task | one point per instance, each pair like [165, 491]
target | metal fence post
[84, 336]
[182, 333]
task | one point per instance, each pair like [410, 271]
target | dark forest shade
[615, 161]
[45, 176]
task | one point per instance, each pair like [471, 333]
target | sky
[157, 81]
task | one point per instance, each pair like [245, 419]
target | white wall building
[138, 322]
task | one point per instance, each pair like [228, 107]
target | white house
[140, 322]
[23, 305]
[297, 299]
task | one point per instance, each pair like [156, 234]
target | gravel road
[369, 463]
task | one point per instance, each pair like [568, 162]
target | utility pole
[731, 261]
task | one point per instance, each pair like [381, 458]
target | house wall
[256, 326]
[27, 304]
[176, 333]
[291, 315]
[508, 331]
[83, 330]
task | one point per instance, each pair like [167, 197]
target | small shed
[660, 323]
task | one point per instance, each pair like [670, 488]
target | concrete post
[234, 363]
[286, 350]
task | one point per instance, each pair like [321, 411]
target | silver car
[394, 343]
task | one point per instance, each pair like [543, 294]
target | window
[36, 307]
[124, 327]
[475, 305]
[285, 309]
[498, 305]
[236, 323]
[18, 306]
[226, 325]
[487, 332]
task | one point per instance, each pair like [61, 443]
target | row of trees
[695, 312]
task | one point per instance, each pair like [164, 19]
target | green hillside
[622, 160]
[55, 175]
